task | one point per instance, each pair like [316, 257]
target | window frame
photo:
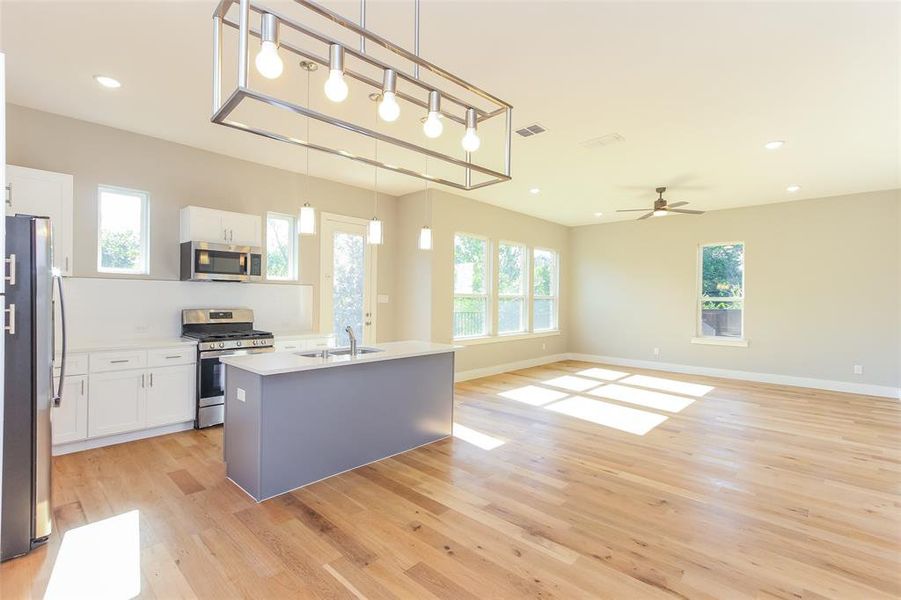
[489, 295]
[294, 255]
[719, 340]
[526, 274]
[144, 233]
[555, 285]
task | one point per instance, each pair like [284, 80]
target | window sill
[507, 337]
[719, 341]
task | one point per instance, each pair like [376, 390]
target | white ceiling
[695, 89]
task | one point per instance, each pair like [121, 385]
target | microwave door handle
[58, 397]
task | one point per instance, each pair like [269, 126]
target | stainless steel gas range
[219, 332]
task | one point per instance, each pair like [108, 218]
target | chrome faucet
[353, 340]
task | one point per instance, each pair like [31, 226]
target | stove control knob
[238, 343]
[254, 342]
[222, 344]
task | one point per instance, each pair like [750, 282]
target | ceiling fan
[661, 208]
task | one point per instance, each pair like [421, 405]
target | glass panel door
[347, 273]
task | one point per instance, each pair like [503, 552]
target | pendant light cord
[306, 179]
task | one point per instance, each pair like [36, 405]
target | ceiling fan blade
[686, 212]
[643, 217]
[675, 204]
[630, 209]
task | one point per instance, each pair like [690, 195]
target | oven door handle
[217, 353]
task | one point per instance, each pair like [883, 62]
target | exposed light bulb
[375, 232]
[471, 141]
[389, 109]
[268, 62]
[335, 86]
[433, 127]
[425, 238]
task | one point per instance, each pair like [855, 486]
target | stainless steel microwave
[206, 261]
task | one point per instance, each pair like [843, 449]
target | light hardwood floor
[749, 491]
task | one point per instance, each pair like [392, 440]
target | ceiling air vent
[531, 130]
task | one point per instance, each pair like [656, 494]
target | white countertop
[134, 344]
[289, 362]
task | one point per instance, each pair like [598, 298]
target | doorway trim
[325, 287]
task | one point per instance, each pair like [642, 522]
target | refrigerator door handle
[58, 397]
[11, 271]
[11, 328]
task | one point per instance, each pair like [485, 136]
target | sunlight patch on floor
[603, 374]
[571, 382]
[669, 385]
[533, 395]
[657, 400]
[101, 561]
[476, 438]
[626, 419]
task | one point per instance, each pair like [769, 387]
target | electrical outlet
[657, 352]
[858, 369]
[239, 393]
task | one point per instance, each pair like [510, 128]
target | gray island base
[289, 429]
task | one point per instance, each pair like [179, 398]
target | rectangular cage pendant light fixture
[442, 98]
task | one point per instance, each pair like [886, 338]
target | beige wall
[432, 286]
[176, 176]
[822, 287]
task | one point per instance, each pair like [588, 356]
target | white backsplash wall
[117, 310]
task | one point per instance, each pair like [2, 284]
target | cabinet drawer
[169, 357]
[118, 361]
[76, 364]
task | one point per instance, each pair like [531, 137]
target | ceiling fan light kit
[464, 104]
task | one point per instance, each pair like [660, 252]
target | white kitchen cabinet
[69, 420]
[45, 194]
[199, 224]
[170, 395]
[118, 402]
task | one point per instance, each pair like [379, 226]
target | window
[544, 290]
[123, 236]
[722, 289]
[511, 288]
[471, 277]
[281, 247]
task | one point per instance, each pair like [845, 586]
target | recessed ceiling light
[535, 191]
[107, 82]
[774, 145]
[793, 188]
[599, 214]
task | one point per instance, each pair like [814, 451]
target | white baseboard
[120, 438]
[805, 382]
[504, 368]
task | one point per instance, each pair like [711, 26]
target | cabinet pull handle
[9, 194]
[82, 387]
[142, 380]
[174, 356]
[67, 264]
[11, 328]
[11, 277]
[122, 360]
[151, 380]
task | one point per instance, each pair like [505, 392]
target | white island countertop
[275, 363]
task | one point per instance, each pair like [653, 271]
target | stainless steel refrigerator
[29, 393]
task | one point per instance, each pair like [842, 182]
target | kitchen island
[293, 418]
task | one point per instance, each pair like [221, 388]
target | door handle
[11, 328]
[11, 271]
[9, 195]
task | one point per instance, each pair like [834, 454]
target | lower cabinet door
[170, 395]
[69, 420]
[117, 402]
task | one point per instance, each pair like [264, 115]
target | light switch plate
[383, 298]
[239, 394]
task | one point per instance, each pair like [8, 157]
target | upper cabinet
[45, 194]
[200, 224]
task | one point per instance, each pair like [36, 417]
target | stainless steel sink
[337, 352]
